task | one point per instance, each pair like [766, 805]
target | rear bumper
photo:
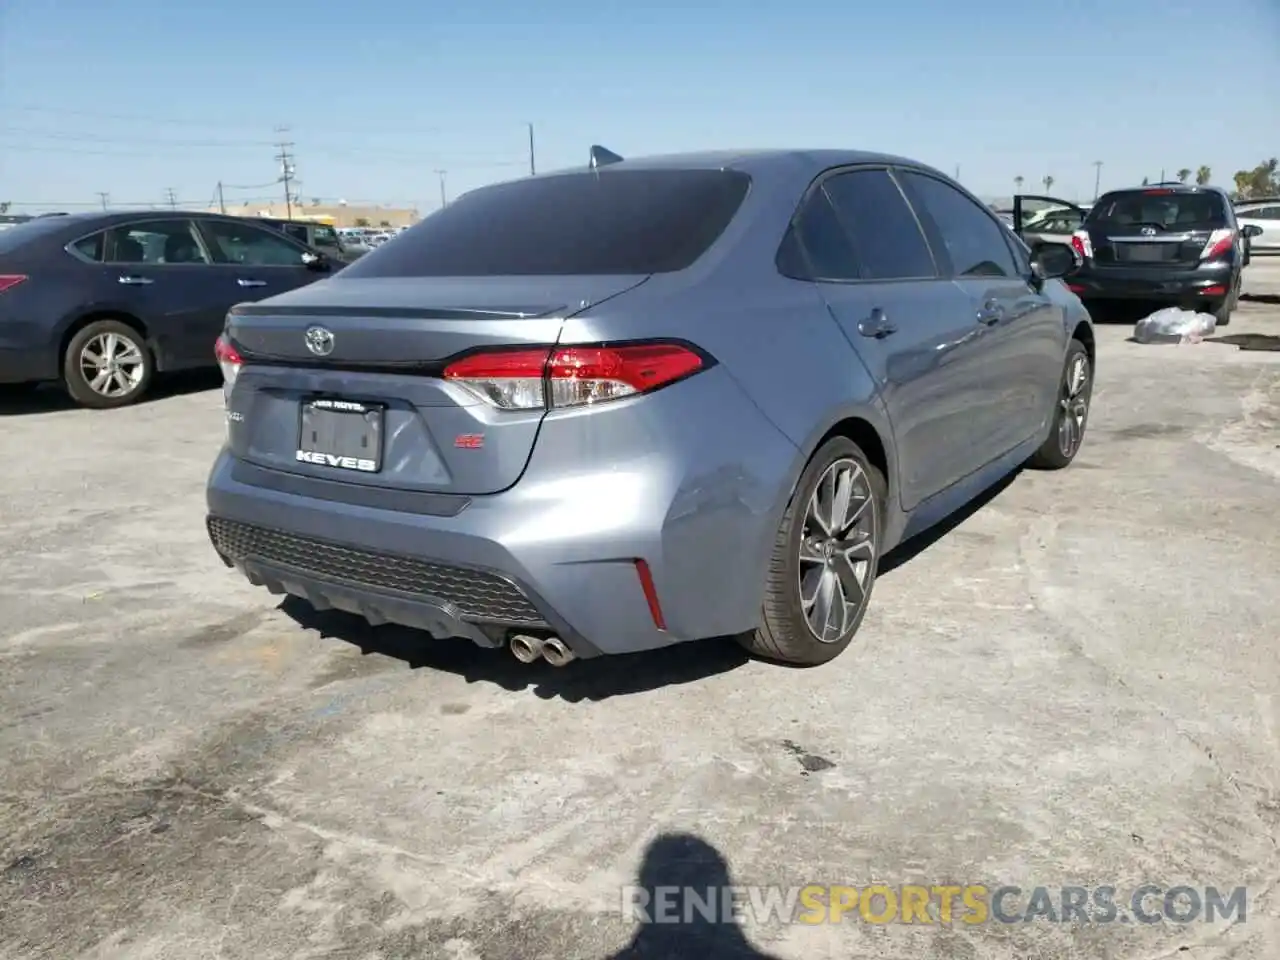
[1210, 282]
[687, 480]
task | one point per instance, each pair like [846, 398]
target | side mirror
[1250, 231]
[1050, 261]
[315, 261]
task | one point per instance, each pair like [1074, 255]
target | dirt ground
[1074, 683]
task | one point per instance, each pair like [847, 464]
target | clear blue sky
[137, 96]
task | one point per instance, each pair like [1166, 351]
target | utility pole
[957, 173]
[103, 196]
[172, 198]
[222, 205]
[287, 171]
[443, 201]
[532, 169]
[1161, 180]
[1097, 177]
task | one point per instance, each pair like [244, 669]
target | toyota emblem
[1148, 231]
[319, 341]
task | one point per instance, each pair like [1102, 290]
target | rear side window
[1163, 209]
[91, 246]
[816, 246]
[596, 222]
[886, 237]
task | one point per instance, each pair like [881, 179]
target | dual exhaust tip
[527, 649]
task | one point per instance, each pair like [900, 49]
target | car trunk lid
[342, 380]
[1116, 245]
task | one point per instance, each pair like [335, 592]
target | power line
[251, 186]
[173, 121]
[367, 156]
[157, 141]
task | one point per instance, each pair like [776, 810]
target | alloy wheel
[837, 550]
[112, 365]
[1075, 406]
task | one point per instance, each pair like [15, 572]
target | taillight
[1082, 244]
[229, 359]
[1220, 242]
[551, 377]
[10, 280]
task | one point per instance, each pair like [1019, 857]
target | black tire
[139, 373]
[784, 634]
[1222, 311]
[1056, 453]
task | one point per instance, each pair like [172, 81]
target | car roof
[98, 219]
[757, 162]
[1171, 188]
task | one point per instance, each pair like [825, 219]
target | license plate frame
[1145, 253]
[326, 437]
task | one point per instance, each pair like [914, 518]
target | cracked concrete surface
[1076, 684]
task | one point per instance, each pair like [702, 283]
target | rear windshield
[1173, 210]
[20, 234]
[596, 222]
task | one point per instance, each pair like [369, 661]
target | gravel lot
[1076, 684]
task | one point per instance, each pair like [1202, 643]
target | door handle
[251, 283]
[992, 312]
[877, 325]
[135, 281]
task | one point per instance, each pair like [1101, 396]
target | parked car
[609, 410]
[320, 237]
[1053, 226]
[1264, 215]
[1171, 244]
[103, 301]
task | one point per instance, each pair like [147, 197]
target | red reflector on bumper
[650, 594]
[1213, 292]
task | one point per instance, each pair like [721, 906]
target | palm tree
[1183, 174]
[1018, 181]
[1203, 175]
[1048, 183]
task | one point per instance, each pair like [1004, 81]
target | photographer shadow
[686, 862]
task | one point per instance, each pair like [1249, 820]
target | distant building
[338, 215]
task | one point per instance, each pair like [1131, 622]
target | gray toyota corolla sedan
[644, 402]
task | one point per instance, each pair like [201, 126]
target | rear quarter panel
[773, 336]
[61, 291]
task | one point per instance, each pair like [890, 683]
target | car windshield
[1164, 209]
[598, 222]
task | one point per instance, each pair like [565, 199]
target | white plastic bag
[1172, 325]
